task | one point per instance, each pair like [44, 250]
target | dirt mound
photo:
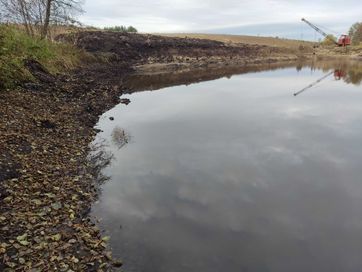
[38, 71]
[141, 48]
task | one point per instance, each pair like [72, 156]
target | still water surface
[237, 174]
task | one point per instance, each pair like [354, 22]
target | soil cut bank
[47, 181]
[149, 49]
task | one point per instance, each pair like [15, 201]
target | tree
[131, 29]
[18, 12]
[355, 32]
[38, 15]
[48, 8]
[122, 29]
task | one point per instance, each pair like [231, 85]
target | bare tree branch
[39, 15]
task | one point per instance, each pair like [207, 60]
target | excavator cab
[344, 40]
[339, 74]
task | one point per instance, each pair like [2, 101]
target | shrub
[123, 29]
[132, 29]
[16, 47]
[329, 40]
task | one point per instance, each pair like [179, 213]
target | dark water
[237, 174]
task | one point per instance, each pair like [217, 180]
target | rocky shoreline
[47, 180]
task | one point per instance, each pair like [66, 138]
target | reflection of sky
[238, 175]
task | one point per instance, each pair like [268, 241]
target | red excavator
[343, 40]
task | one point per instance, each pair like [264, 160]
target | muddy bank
[138, 49]
[149, 77]
[47, 181]
[157, 76]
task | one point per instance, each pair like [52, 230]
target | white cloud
[191, 15]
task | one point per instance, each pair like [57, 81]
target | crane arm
[313, 84]
[319, 30]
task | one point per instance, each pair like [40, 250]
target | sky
[280, 18]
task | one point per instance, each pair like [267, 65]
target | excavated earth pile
[143, 49]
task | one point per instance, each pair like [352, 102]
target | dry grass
[54, 30]
[243, 39]
[16, 46]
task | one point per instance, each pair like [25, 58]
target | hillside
[269, 41]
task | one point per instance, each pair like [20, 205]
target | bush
[16, 47]
[132, 29]
[123, 29]
[329, 40]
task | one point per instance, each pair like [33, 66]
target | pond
[244, 172]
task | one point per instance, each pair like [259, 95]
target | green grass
[16, 47]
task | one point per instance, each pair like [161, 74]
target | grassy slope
[16, 46]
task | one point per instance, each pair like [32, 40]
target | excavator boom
[313, 84]
[319, 31]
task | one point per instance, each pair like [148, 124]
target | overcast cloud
[257, 17]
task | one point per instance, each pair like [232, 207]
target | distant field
[242, 39]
